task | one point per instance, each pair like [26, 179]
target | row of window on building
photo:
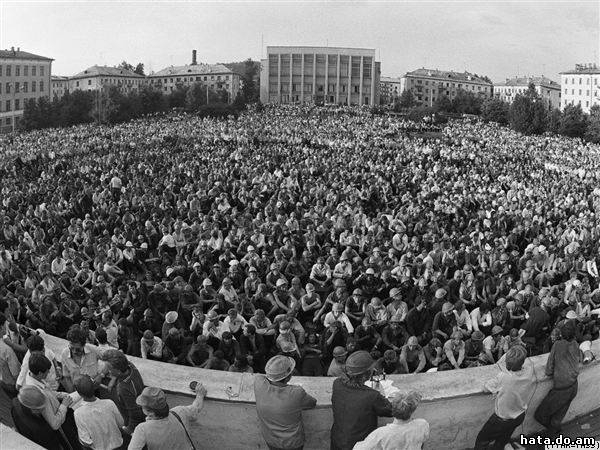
[587, 80]
[283, 61]
[22, 87]
[8, 105]
[7, 70]
[343, 100]
[587, 92]
[448, 84]
[308, 88]
[186, 79]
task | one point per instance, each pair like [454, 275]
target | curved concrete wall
[454, 402]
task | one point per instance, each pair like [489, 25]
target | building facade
[60, 86]
[580, 87]
[216, 76]
[320, 75]
[389, 90]
[98, 77]
[23, 76]
[548, 90]
[428, 85]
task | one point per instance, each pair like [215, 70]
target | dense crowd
[312, 233]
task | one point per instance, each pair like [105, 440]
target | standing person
[512, 392]
[402, 433]
[356, 407]
[279, 405]
[164, 428]
[98, 421]
[26, 412]
[563, 365]
[128, 384]
[9, 364]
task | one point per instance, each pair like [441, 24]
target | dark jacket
[128, 390]
[355, 413]
[35, 428]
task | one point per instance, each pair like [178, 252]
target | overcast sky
[498, 39]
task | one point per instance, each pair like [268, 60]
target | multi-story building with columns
[23, 76]
[320, 75]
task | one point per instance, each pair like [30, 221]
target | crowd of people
[309, 233]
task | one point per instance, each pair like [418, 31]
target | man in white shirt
[36, 344]
[402, 433]
[234, 323]
[151, 346]
[98, 421]
[337, 314]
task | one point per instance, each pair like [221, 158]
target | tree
[176, 99]
[406, 100]
[592, 132]
[442, 104]
[573, 122]
[466, 102]
[152, 100]
[527, 114]
[139, 69]
[553, 122]
[125, 65]
[31, 115]
[495, 110]
[249, 90]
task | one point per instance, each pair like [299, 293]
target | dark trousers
[496, 432]
[554, 407]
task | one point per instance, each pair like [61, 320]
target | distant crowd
[308, 233]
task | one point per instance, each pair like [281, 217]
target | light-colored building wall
[60, 86]
[23, 76]
[390, 90]
[320, 75]
[548, 90]
[101, 77]
[580, 87]
[219, 78]
[428, 85]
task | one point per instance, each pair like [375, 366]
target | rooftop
[195, 69]
[390, 79]
[447, 74]
[19, 54]
[583, 69]
[524, 81]
[95, 71]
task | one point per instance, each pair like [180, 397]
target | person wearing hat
[394, 335]
[474, 351]
[454, 349]
[511, 390]
[279, 405]
[213, 328]
[26, 412]
[563, 365]
[396, 306]
[356, 407]
[337, 314]
[338, 363]
[419, 320]
[164, 428]
[444, 322]
[492, 345]
[151, 346]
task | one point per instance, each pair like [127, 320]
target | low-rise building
[216, 76]
[23, 76]
[548, 90]
[580, 87]
[60, 86]
[389, 90]
[428, 85]
[98, 77]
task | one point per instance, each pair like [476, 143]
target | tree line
[528, 113]
[111, 105]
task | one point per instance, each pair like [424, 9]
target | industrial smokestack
[194, 58]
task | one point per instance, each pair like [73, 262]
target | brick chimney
[194, 62]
